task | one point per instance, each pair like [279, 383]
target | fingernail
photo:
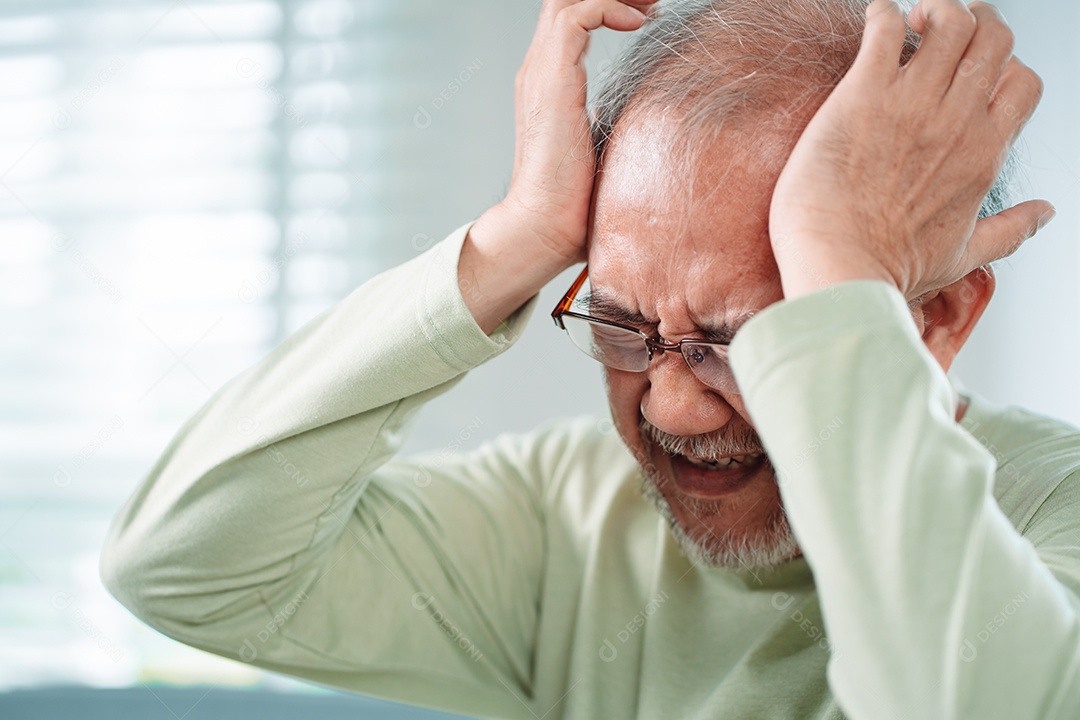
[1045, 218]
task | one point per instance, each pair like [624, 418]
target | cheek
[624, 391]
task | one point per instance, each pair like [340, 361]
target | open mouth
[710, 479]
[726, 463]
[708, 466]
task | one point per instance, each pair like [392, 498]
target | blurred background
[183, 184]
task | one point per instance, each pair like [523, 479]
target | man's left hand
[887, 179]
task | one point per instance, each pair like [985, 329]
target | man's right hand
[539, 228]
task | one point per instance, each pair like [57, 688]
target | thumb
[1002, 234]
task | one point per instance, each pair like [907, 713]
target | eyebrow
[604, 305]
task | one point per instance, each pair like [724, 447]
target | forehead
[682, 237]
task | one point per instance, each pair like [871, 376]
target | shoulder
[1038, 488]
[1035, 455]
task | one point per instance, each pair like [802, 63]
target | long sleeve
[274, 530]
[935, 605]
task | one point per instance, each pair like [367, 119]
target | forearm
[260, 479]
[891, 501]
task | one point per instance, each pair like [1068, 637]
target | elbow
[136, 575]
[122, 576]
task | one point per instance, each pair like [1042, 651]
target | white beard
[770, 546]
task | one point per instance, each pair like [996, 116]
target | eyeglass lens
[624, 349]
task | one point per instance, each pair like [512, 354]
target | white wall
[1026, 350]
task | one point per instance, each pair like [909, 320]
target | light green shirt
[531, 579]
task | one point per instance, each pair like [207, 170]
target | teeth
[723, 463]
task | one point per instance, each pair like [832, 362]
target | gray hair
[773, 57]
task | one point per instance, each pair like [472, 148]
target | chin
[731, 519]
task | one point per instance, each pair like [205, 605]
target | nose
[680, 404]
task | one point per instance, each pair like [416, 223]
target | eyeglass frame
[563, 309]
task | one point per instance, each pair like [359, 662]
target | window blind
[182, 185]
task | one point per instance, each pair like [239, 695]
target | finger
[567, 39]
[882, 40]
[589, 15]
[917, 18]
[947, 28]
[553, 8]
[1015, 98]
[1001, 235]
[987, 55]
[645, 6]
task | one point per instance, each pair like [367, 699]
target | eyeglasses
[626, 348]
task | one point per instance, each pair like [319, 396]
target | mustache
[709, 446]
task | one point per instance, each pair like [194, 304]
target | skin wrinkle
[689, 147]
[676, 276]
[604, 306]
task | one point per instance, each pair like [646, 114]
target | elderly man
[785, 253]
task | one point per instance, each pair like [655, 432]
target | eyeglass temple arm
[568, 298]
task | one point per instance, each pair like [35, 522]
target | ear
[947, 316]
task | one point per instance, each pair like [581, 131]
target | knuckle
[958, 21]
[568, 16]
[574, 14]
[1037, 85]
[1027, 79]
[882, 11]
[887, 18]
[986, 8]
[1002, 36]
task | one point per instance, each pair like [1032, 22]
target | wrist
[503, 263]
[803, 271]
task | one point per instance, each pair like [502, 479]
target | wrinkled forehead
[679, 231]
